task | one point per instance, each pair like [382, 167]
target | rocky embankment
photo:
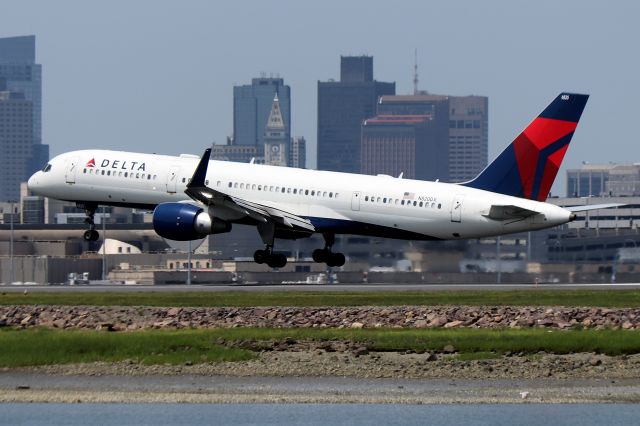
[119, 318]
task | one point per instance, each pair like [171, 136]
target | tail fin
[528, 167]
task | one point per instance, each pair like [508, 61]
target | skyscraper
[22, 74]
[427, 137]
[468, 136]
[16, 142]
[410, 135]
[342, 107]
[252, 105]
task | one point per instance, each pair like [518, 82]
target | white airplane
[193, 198]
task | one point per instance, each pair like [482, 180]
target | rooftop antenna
[415, 72]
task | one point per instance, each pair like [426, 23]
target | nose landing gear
[325, 255]
[91, 234]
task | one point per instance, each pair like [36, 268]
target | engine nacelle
[185, 222]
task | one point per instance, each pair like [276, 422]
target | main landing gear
[325, 255]
[274, 260]
[91, 234]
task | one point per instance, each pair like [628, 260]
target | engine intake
[185, 222]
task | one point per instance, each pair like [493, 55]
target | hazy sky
[157, 76]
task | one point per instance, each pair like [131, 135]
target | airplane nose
[32, 183]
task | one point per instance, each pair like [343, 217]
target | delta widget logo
[91, 163]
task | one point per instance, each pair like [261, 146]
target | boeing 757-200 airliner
[192, 197]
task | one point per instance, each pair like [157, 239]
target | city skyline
[159, 77]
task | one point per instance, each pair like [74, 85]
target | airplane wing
[198, 190]
[588, 207]
[501, 212]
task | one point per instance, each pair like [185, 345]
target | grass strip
[529, 297]
[43, 347]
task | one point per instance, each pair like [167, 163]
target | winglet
[199, 176]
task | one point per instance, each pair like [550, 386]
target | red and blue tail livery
[528, 167]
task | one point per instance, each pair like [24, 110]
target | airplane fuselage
[333, 202]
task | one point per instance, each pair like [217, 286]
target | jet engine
[185, 222]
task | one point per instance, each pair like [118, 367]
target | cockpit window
[46, 167]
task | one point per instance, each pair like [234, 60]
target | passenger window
[230, 184]
[242, 186]
[306, 192]
[235, 184]
[253, 186]
[183, 180]
[102, 173]
[295, 190]
[378, 200]
[420, 204]
[84, 171]
[206, 182]
[439, 205]
[137, 175]
[433, 205]
[259, 187]
[366, 198]
[331, 195]
[288, 190]
[142, 176]
[126, 174]
[415, 203]
[324, 194]
[336, 195]
[384, 201]
[148, 177]
[402, 202]
[218, 183]
[283, 189]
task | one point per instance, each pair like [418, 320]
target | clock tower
[275, 137]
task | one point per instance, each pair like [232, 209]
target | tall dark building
[21, 74]
[427, 137]
[251, 108]
[16, 142]
[410, 135]
[342, 107]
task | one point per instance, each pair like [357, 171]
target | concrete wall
[47, 270]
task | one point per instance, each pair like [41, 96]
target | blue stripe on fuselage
[343, 226]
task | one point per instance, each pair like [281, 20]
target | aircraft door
[456, 208]
[355, 201]
[172, 179]
[72, 169]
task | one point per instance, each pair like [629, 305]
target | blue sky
[157, 76]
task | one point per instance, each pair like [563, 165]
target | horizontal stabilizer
[588, 207]
[509, 212]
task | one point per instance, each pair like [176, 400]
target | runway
[314, 287]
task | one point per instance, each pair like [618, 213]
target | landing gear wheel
[320, 255]
[261, 256]
[91, 235]
[277, 260]
[336, 259]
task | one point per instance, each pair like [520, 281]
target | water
[319, 414]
